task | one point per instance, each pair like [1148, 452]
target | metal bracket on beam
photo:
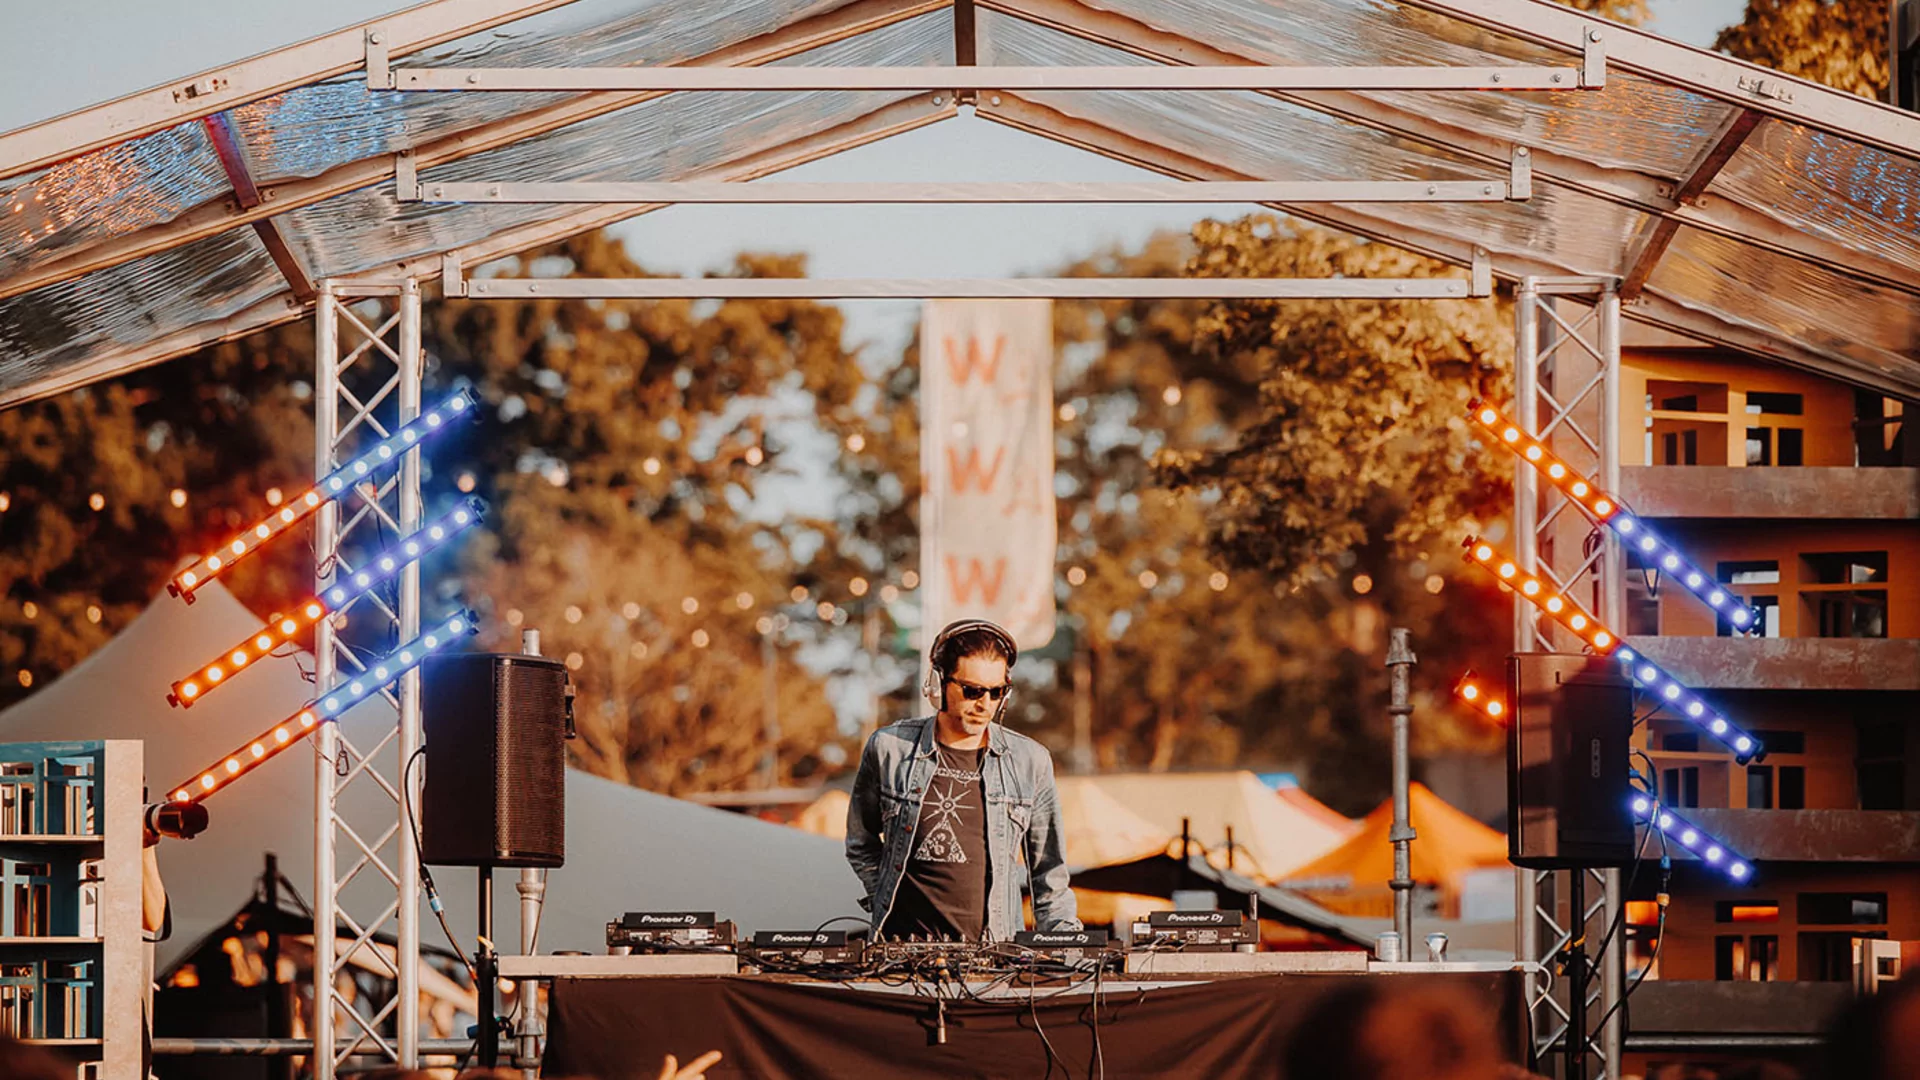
[1593, 60]
[379, 75]
[1482, 273]
[406, 177]
[452, 283]
[1520, 179]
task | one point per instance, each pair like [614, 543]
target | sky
[55, 58]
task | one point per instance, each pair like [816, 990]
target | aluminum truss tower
[1567, 392]
[366, 866]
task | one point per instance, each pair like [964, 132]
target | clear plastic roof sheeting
[1804, 247]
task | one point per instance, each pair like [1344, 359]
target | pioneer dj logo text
[667, 920]
[1175, 917]
[799, 939]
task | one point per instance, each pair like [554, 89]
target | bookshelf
[72, 960]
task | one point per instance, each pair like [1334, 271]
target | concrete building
[1803, 496]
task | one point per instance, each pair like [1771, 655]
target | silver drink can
[1386, 947]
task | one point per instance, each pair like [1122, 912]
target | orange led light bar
[1669, 691]
[1472, 690]
[1543, 595]
[246, 758]
[333, 486]
[1531, 450]
[1640, 539]
[330, 706]
[279, 630]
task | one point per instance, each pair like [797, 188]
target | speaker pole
[1577, 975]
[486, 968]
[1400, 659]
[532, 888]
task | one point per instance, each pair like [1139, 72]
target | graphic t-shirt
[943, 893]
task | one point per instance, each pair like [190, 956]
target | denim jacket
[1023, 824]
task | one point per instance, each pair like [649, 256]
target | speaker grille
[496, 760]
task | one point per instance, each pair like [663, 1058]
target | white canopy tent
[627, 849]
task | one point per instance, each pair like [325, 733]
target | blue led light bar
[328, 707]
[357, 688]
[333, 486]
[1602, 506]
[1674, 696]
[467, 513]
[1690, 836]
[281, 629]
[1658, 553]
[393, 446]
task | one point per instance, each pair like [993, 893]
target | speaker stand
[1577, 976]
[486, 968]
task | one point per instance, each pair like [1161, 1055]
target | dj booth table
[775, 1026]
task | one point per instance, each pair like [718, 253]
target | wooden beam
[1662, 230]
[233, 161]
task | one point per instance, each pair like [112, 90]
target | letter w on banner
[987, 529]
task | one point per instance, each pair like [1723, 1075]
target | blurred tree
[1841, 43]
[624, 443]
[1361, 435]
[1243, 516]
[622, 446]
[1631, 12]
[104, 491]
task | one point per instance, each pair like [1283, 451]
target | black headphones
[937, 676]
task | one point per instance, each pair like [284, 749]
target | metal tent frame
[1717, 199]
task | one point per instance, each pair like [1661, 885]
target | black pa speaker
[1567, 768]
[496, 788]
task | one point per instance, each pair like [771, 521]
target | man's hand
[695, 1070]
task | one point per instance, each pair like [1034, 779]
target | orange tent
[1352, 878]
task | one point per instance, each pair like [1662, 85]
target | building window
[1860, 613]
[1739, 958]
[1670, 395]
[1791, 450]
[1729, 911]
[1827, 956]
[1682, 447]
[1759, 446]
[1792, 794]
[1680, 787]
[1750, 572]
[1881, 764]
[1782, 742]
[1688, 742]
[1842, 909]
[1842, 568]
[1768, 619]
[1761, 402]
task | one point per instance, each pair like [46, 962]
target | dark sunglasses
[975, 693]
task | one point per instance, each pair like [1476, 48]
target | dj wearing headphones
[952, 813]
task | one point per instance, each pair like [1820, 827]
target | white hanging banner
[987, 530]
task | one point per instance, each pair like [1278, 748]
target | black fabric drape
[615, 1029]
